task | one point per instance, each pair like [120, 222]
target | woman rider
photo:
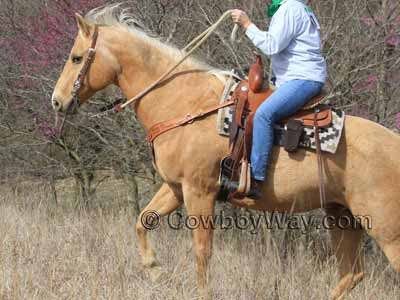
[293, 42]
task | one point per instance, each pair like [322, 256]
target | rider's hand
[241, 18]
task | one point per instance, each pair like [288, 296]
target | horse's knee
[393, 254]
[147, 221]
[140, 230]
[203, 253]
[395, 261]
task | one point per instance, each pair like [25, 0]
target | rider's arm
[284, 27]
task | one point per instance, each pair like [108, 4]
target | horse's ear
[83, 26]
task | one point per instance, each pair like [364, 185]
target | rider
[293, 42]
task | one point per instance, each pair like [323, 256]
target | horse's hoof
[346, 285]
[155, 274]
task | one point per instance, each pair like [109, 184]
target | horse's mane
[117, 16]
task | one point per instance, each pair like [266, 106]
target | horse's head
[101, 71]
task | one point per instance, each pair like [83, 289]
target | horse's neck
[185, 91]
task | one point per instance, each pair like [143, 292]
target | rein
[163, 126]
[188, 50]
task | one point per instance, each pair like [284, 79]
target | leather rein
[155, 130]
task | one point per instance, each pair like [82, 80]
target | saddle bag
[291, 139]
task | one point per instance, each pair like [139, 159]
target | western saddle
[247, 97]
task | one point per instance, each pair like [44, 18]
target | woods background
[67, 210]
[361, 42]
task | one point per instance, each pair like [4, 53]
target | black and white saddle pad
[330, 137]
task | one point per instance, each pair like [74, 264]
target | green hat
[273, 8]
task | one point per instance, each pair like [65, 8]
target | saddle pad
[330, 136]
[225, 115]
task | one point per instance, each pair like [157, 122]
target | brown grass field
[50, 251]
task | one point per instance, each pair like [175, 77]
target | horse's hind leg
[346, 244]
[163, 203]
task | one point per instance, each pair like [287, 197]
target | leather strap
[165, 126]
[321, 171]
[78, 83]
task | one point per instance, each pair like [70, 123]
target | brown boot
[254, 193]
[255, 189]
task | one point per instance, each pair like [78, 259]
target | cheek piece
[78, 83]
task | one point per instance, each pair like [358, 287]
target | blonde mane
[116, 16]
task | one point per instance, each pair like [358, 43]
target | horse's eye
[77, 59]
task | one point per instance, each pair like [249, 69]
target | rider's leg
[285, 101]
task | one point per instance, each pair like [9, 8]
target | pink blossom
[367, 20]
[48, 131]
[394, 40]
[41, 42]
[367, 84]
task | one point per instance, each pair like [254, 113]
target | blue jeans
[285, 101]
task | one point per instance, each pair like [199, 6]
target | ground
[50, 251]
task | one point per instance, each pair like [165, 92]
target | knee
[203, 253]
[264, 115]
[396, 267]
[392, 252]
[139, 227]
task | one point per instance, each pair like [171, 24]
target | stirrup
[253, 193]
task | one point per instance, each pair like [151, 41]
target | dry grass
[49, 252]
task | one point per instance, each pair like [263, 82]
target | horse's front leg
[200, 208]
[163, 203]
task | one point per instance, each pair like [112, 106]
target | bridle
[162, 127]
[157, 129]
[188, 50]
[78, 83]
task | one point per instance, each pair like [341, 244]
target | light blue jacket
[293, 42]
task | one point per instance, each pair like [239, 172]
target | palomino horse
[362, 178]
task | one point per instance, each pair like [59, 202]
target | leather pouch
[293, 133]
